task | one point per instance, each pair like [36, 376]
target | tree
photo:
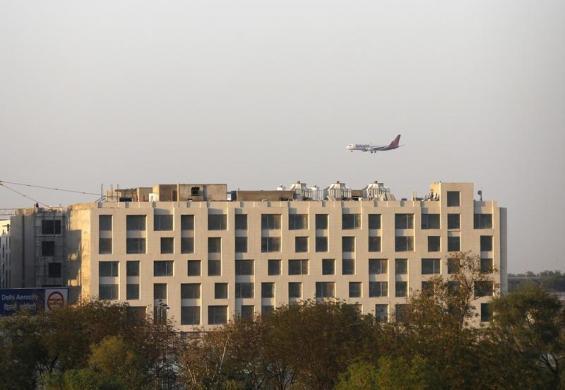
[530, 323]
[359, 376]
[21, 352]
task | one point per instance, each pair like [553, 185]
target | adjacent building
[5, 263]
[200, 255]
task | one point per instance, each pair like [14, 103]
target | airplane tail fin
[395, 142]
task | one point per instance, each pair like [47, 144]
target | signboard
[32, 300]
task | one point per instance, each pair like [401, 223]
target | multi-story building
[5, 264]
[200, 255]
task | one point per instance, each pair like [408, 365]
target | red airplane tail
[395, 142]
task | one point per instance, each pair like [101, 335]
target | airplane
[375, 148]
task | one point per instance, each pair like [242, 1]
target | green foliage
[306, 345]
[21, 351]
[359, 376]
[406, 373]
[311, 345]
[530, 324]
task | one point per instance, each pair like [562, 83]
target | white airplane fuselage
[374, 148]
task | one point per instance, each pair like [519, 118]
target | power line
[48, 188]
[2, 183]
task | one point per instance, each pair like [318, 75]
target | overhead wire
[2, 183]
[48, 188]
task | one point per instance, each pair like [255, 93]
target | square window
[187, 223]
[404, 221]
[135, 222]
[325, 289]
[453, 244]
[348, 267]
[350, 221]
[241, 221]
[348, 244]
[483, 221]
[377, 266]
[354, 289]
[321, 221]
[486, 243]
[270, 221]
[241, 244]
[301, 244]
[162, 222]
[193, 268]
[297, 221]
[267, 290]
[214, 267]
[404, 244]
[214, 245]
[430, 266]
[51, 226]
[217, 222]
[374, 221]
[160, 291]
[270, 244]
[430, 221]
[107, 291]
[298, 267]
[190, 291]
[105, 223]
[453, 199]
[108, 269]
[167, 245]
[220, 290]
[163, 268]
[190, 315]
[135, 245]
[401, 289]
[401, 266]
[104, 246]
[453, 221]
[378, 289]
[244, 267]
[274, 267]
[244, 290]
[295, 290]
[187, 245]
[132, 291]
[328, 266]
[132, 268]
[217, 315]
[374, 244]
[321, 244]
[433, 243]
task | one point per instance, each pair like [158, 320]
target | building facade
[199, 255]
[5, 259]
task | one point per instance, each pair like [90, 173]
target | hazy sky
[260, 93]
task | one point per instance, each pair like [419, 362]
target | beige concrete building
[200, 255]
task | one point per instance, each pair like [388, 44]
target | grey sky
[260, 93]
